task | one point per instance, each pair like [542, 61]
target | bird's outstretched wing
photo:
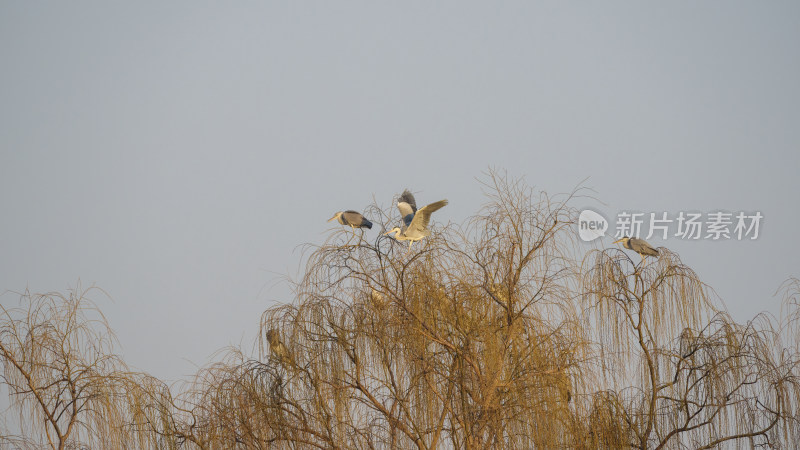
[408, 198]
[407, 206]
[423, 217]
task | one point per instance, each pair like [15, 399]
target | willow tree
[504, 332]
[63, 377]
[469, 341]
[501, 333]
[677, 372]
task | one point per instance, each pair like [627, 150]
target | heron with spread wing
[415, 221]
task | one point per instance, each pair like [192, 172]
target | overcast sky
[176, 154]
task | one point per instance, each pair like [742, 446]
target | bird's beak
[334, 216]
[619, 240]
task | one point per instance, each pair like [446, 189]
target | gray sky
[177, 153]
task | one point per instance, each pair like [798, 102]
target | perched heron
[640, 246]
[352, 218]
[278, 348]
[377, 299]
[415, 224]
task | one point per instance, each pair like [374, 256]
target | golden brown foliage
[502, 333]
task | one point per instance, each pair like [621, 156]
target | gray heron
[415, 224]
[279, 349]
[352, 218]
[377, 299]
[640, 246]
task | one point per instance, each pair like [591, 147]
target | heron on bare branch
[640, 246]
[415, 222]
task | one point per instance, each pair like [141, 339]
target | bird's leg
[409, 247]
